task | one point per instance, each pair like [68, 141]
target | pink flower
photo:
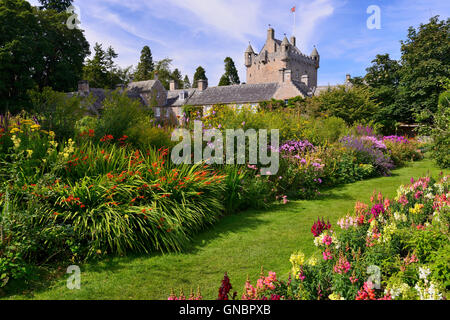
[327, 255]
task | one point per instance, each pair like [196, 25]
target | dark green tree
[36, 50]
[230, 76]
[178, 78]
[186, 82]
[162, 69]
[62, 52]
[200, 74]
[224, 81]
[425, 66]
[384, 78]
[96, 69]
[145, 66]
[58, 5]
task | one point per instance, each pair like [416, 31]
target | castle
[281, 61]
[280, 71]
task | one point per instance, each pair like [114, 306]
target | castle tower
[249, 53]
[281, 57]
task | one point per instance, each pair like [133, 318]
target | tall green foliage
[145, 66]
[36, 50]
[384, 79]
[186, 83]
[230, 76]
[56, 111]
[351, 104]
[425, 65]
[58, 5]
[200, 74]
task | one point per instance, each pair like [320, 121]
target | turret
[285, 49]
[285, 44]
[315, 55]
[249, 53]
[293, 41]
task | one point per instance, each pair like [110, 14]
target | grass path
[238, 244]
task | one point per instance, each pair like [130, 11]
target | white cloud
[309, 15]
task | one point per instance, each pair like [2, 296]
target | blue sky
[204, 32]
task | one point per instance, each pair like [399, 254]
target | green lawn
[238, 244]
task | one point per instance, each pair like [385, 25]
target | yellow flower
[335, 296]
[312, 261]
[16, 141]
[30, 153]
[14, 130]
[417, 208]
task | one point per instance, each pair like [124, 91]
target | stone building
[280, 61]
[279, 71]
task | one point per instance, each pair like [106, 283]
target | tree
[177, 77]
[351, 104]
[36, 50]
[102, 72]
[200, 74]
[230, 76]
[61, 53]
[186, 82]
[224, 81]
[425, 65]
[96, 71]
[58, 5]
[162, 69]
[145, 66]
[384, 79]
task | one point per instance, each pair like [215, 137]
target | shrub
[402, 149]
[145, 135]
[120, 113]
[370, 150]
[57, 112]
[354, 104]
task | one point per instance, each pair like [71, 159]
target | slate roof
[142, 86]
[99, 95]
[243, 93]
[303, 88]
[173, 97]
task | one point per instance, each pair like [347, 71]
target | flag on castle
[293, 9]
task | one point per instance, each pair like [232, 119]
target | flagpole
[295, 15]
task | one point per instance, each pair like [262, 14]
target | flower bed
[388, 249]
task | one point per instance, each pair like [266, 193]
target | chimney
[270, 34]
[287, 75]
[202, 84]
[281, 78]
[305, 79]
[155, 77]
[83, 87]
[293, 41]
[173, 85]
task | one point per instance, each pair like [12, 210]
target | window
[157, 112]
